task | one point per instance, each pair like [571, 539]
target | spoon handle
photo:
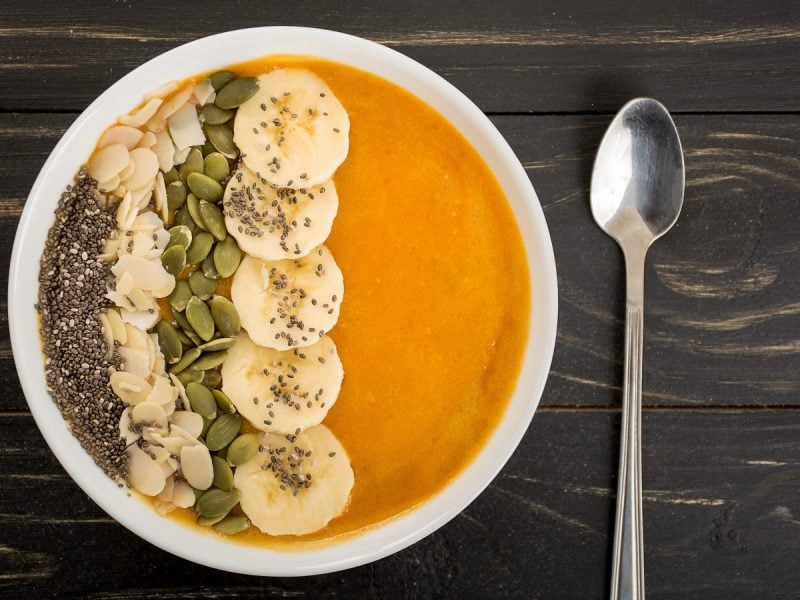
[627, 575]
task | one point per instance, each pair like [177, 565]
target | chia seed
[76, 367]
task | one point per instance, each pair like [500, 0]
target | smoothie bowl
[282, 301]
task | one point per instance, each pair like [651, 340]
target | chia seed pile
[72, 287]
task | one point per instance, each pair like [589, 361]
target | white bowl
[218, 51]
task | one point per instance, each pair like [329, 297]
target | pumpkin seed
[193, 205]
[221, 137]
[211, 378]
[214, 115]
[184, 338]
[209, 270]
[182, 217]
[209, 521]
[202, 400]
[223, 475]
[176, 195]
[222, 453]
[170, 176]
[225, 316]
[169, 342]
[204, 187]
[180, 318]
[242, 449]
[220, 79]
[218, 344]
[208, 148]
[188, 376]
[199, 248]
[216, 166]
[180, 296]
[174, 260]
[216, 502]
[199, 317]
[194, 338]
[180, 235]
[192, 164]
[236, 92]
[189, 356]
[223, 431]
[227, 257]
[206, 424]
[210, 360]
[198, 494]
[213, 219]
[223, 402]
[232, 524]
[202, 286]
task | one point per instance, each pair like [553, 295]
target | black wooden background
[722, 326]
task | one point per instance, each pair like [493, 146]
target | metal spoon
[636, 196]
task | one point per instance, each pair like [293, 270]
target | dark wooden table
[722, 327]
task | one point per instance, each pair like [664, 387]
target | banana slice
[287, 304]
[284, 392]
[294, 132]
[296, 484]
[276, 223]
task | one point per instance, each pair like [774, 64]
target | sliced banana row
[296, 483]
[282, 391]
[287, 304]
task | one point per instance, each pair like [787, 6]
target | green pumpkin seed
[210, 360]
[188, 376]
[180, 296]
[223, 431]
[169, 342]
[209, 521]
[236, 92]
[242, 449]
[218, 502]
[180, 235]
[199, 317]
[184, 338]
[214, 115]
[189, 356]
[182, 217]
[202, 400]
[213, 220]
[223, 402]
[202, 286]
[176, 195]
[193, 164]
[209, 270]
[204, 187]
[181, 320]
[198, 494]
[223, 475]
[170, 176]
[227, 257]
[221, 137]
[174, 260]
[225, 316]
[220, 79]
[193, 204]
[232, 524]
[218, 344]
[211, 378]
[199, 248]
[208, 148]
[216, 166]
[206, 425]
[194, 337]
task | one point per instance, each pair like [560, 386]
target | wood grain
[519, 56]
[723, 293]
[541, 530]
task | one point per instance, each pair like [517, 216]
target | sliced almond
[108, 334]
[109, 186]
[197, 467]
[160, 197]
[137, 338]
[148, 139]
[180, 155]
[147, 274]
[181, 390]
[185, 129]
[169, 108]
[131, 388]
[123, 210]
[135, 361]
[146, 169]
[149, 414]
[190, 421]
[121, 134]
[182, 494]
[165, 150]
[203, 91]
[147, 221]
[142, 319]
[117, 326]
[143, 115]
[108, 162]
[162, 391]
[166, 493]
[145, 474]
[125, 428]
